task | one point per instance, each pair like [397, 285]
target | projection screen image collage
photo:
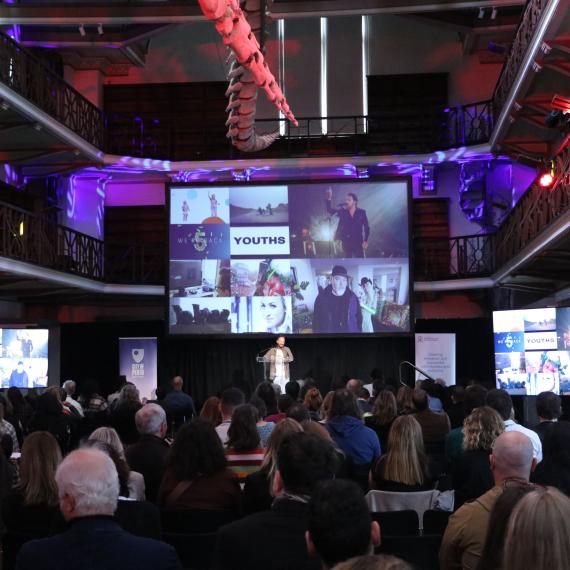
[327, 258]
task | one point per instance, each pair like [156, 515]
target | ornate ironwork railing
[525, 32]
[35, 239]
[454, 258]
[135, 263]
[29, 77]
[535, 211]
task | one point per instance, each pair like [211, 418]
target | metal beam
[114, 14]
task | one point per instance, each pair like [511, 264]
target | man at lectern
[279, 357]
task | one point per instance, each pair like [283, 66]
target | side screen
[294, 259]
[24, 358]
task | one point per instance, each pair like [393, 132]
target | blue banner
[138, 361]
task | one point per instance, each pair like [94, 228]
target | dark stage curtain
[208, 365]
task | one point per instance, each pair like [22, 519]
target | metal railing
[29, 77]
[134, 263]
[523, 37]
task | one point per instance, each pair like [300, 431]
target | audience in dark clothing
[383, 415]
[548, 410]
[554, 469]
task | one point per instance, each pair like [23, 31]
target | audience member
[135, 484]
[299, 412]
[284, 402]
[123, 411]
[21, 412]
[313, 401]
[197, 474]
[70, 387]
[434, 426]
[511, 462]
[117, 385]
[325, 411]
[340, 526]
[404, 400]
[211, 411]
[293, 389]
[434, 403]
[497, 528]
[538, 533]
[148, 455]
[276, 538]
[231, 399]
[243, 450]
[554, 469]
[371, 562]
[344, 469]
[384, 413]
[49, 416]
[349, 433]
[263, 427]
[500, 400]
[364, 402]
[456, 411]
[548, 410]
[404, 468]
[90, 399]
[178, 403]
[471, 473]
[266, 392]
[258, 486]
[88, 489]
[6, 428]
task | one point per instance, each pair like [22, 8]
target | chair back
[422, 552]
[399, 523]
[435, 522]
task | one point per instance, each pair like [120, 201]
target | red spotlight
[546, 180]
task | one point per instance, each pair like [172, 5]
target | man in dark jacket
[88, 487]
[336, 307]
[148, 455]
[275, 539]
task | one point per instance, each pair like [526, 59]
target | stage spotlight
[560, 103]
[81, 30]
[546, 178]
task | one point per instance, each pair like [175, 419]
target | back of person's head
[121, 465]
[385, 407]
[340, 526]
[354, 385]
[259, 405]
[364, 394]
[498, 521]
[475, 397]
[41, 456]
[420, 400]
[404, 400]
[278, 434]
[313, 399]
[556, 447]
[231, 399]
[302, 461]
[69, 387]
[372, 562]
[405, 460]
[109, 436]
[151, 420]
[318, 429]
[88, 484]
[428, 386]
[481, 428]
[266, 392]
[344, 404]
[196, 451]
[129, 396]
[538, 533]
[457, 394]
[293, 389]
[548, 406]
[242, 433]
[326, 406]
[211, 411]
[284, 402]
[500, 400]
[512, 456]
[298, 412]
[177, 383]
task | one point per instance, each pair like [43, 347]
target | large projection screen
[291, 258]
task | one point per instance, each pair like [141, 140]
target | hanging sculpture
[248, 69]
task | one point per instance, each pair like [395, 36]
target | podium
[264, 363]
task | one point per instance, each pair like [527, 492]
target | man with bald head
[511, 463]
[88, 488]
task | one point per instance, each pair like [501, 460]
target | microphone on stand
[264, 350]
[415, 368]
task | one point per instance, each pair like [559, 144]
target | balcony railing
[523, 37]
[29, 77]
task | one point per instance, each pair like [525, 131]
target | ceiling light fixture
[100, 29]
[494, 13]
[81, 30]
[481, 14]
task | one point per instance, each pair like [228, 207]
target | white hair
[109, 436]
[90, 477]
[149, 419]
[69, 387]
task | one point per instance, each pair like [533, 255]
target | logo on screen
[137, 354]
[199, 240]
[509, 342]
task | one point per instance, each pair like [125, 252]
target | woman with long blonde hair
[404, 467]
[384, 412]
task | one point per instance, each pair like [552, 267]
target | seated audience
[548, 410]
[231, 399]
[197, 474]
[6, 428]
[511, 463]
[554, 469]
[123, 411]
[364, 401]
[117, 385]
[498, 520]
[70, 387]
[383, 415]
[404, 468]
[456, 411]
[211, 411]
[263, 427]
[90, 399]
[148, 455]
[340, 526]
[293, 389]
[371, 562]
[500, 400]
[50, 416]
[32, 506]
[257, 490]
[21, 411]
[471, 473]
[276, 538]
[434, 403]
[284, 402]
[344, 469]
[313, 401]
[434, 426]
[88, 488]
[178, 403]
[135, 489]
[538, 533]
[266, 392]
[325, 411]
[404, 400]
[243, 450]
[299, 413]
